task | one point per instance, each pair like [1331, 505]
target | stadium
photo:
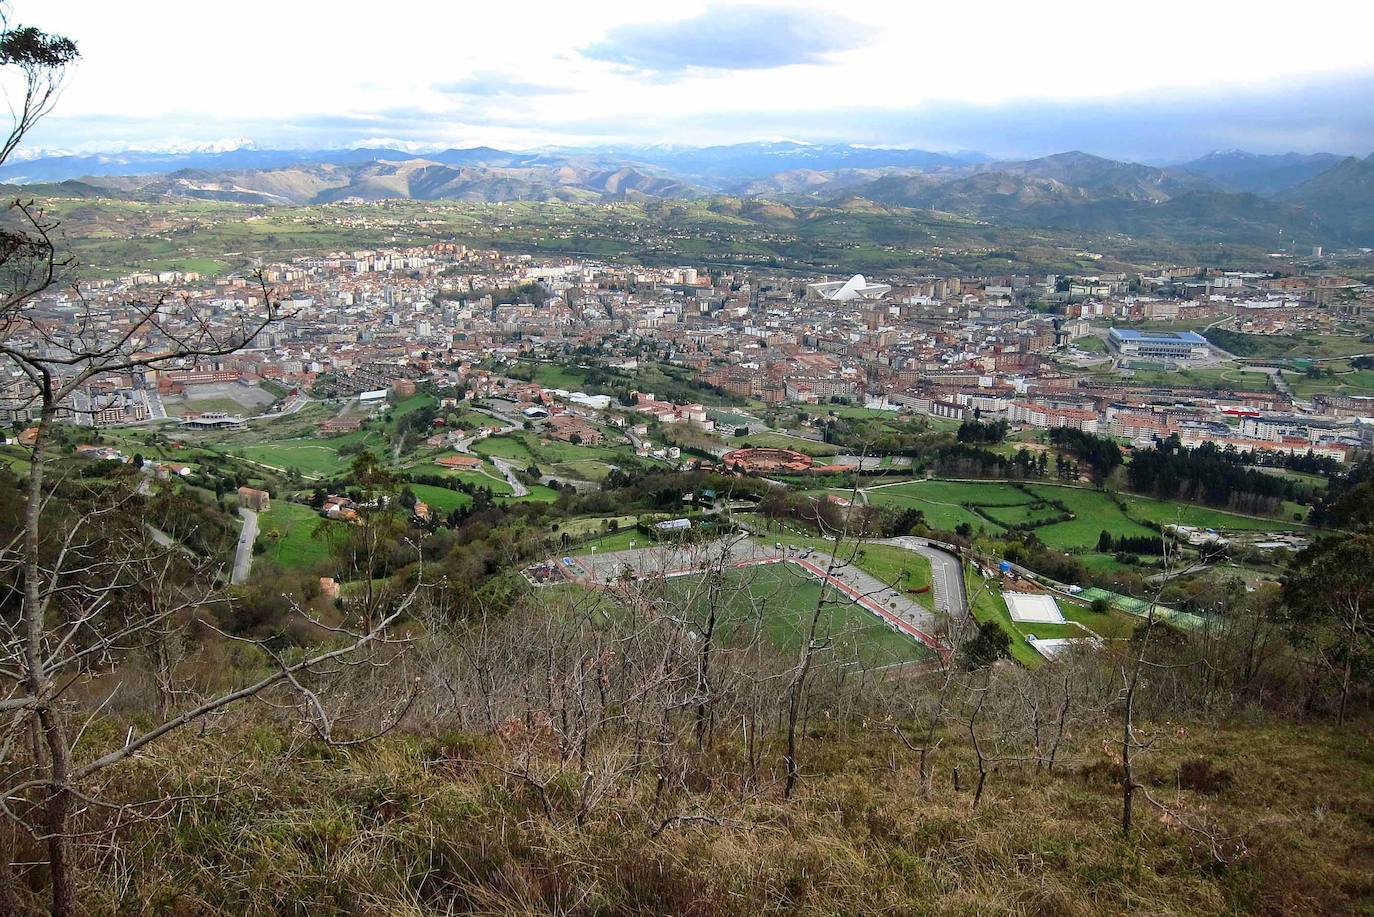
[763, 459]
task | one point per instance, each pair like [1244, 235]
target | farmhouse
[257, 500]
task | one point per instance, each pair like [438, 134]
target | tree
[77, 562]
[985, 647]
[1328, 607]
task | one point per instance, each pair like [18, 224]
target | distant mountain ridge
[1237, 170]
[715, 166]
[413, 178]
[1343, 195]
[1232, 196]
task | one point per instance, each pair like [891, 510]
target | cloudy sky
[1153, 81]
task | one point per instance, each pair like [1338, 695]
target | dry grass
[425, 825]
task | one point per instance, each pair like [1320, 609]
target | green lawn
[784, 441]
[441, 499]
[988, 605]
[579, 527]
[1164, 512]
[313, 457]
[290, 532]
[512, 447]
[538, 493]
[777, 601]
[612, 541]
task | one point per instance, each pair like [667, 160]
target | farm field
[1024, 514]
[1164, 512]
[999, 505]
[776, 602]
[315, 457]
[525, 449]
[490, 480]
[538, 493]
[943, 501]
[1094, 512]
[289, 531]
[441, 499]
[578, 527]
[586, 469]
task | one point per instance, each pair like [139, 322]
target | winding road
[243, 556]
[946, 574]
[517, 487]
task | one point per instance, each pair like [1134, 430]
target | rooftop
[1182, 337]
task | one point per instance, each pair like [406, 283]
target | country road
[517, 488]
[243, 556]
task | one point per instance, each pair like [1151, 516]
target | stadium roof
[1182, 337]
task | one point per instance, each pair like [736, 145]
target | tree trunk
[39, 679]
[59, 809]
[1345, 686]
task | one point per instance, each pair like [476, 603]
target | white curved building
[855, 287]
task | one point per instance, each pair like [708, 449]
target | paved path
[243, 557]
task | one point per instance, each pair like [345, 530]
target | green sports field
[313, 457]
[776, 603]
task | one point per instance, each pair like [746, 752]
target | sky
[1152, 81]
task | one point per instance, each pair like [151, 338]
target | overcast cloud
[729, 38]
[1154, 81]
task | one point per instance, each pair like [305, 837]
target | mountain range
[1233, 196]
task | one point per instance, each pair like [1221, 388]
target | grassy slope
[1094, 511]
[288, 529]
[440, 498]
[423, 825]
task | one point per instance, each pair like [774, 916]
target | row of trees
[1205, 475]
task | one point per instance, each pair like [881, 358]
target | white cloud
[171, 69]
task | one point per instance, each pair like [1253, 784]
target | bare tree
[85, 585]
